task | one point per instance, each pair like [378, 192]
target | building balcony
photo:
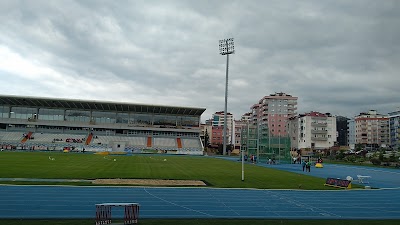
[319, 124]
[319, 131]
[319, 138]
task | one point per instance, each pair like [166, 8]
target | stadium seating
[131, 144]
[164, 142]
[12, 136]
[191, 143]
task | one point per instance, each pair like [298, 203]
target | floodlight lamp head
[226, 46]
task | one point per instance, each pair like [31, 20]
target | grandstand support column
[226, 47]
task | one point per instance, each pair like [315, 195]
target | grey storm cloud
[336, 56]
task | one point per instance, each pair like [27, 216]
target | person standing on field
[308, 166]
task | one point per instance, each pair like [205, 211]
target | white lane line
[193, 210]
[302, 205]
[366, 168]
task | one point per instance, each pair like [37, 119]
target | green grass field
[215, 172]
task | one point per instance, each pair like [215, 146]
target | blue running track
[78, 202]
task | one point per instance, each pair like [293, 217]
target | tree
[392, 157]
[375, 161]
[206, 139]
[359, 147]
[340, 155]
[220, 148]
[381, 157]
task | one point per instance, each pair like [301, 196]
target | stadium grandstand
[54, 124]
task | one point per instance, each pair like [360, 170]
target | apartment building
[217, 120]
[239, 126]
[351, 134]
[372, 129]
[342, 130]
[274, 111]
[312, 130]
[217, 136]
[394, 129]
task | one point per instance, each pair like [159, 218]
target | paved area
[380, 177]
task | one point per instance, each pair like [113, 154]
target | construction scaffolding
[258, 141]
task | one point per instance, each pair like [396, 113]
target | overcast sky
[341, 57]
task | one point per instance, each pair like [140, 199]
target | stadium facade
[37, 123]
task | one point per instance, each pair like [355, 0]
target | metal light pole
[258, 141]
[279, 149]
[247, 148]
[226, 47]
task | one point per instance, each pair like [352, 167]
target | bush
[350, 158]
[340, 155]
[381, 156]
[361, 159]
[375, 161]
[331, 157]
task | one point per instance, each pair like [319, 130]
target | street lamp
[226, 47]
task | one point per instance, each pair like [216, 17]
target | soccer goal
[103, 213]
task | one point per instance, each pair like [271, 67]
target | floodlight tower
[226, 47]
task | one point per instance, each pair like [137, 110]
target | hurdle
[103, 213]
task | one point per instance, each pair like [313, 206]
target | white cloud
[336, 56]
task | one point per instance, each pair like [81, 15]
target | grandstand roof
[24, 101]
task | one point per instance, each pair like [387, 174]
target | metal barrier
[103, 213]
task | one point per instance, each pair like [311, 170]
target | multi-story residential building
[312, 130]
[218, 121]
[239, 125]
[274, 111]
[351, 135]
[342, 130]
[394, 129]
[209, 122]
[246, 117]
[217, 136]
[372, 129]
